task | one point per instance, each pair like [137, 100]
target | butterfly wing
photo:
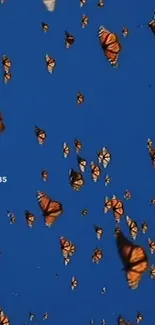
[112, 48]
[50, 4]
[43, 200]
[118, 209]
[53, 212]
[152, 26]
[124, 246]
[139, 265]
[103, 34]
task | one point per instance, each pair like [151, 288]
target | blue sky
[118, 113]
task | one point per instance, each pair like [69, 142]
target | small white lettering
[3, 179]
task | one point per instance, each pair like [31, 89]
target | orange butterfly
[110, 44]
[6, 63]
[51, 209]
[107, 204]
[152, 271]
[99, 231]
[78, 145]
[50, 63]
[82, 163]
[151, 245]
[139, 318]
[74, 283]
[133, 257]
[4, 320]
[44, 175]
[80, 98]
[67, 247]
[69, 40]
[7, 77]
[95, 171]
[76, 179]
[45, 27]
[30, 218]
[118, 208]
[121, 321]
[41, 135]
[125, 31]
[133, 227]
[151, 24]
[97, 256]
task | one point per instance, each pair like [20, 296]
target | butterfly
[110, 44]
[134, 259]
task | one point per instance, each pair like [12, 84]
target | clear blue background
[118, 113]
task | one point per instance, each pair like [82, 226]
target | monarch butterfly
[151, 24]
[149, 143]
[6, 63]
[31, 316]
[4, 320]
[82, 2]
[106, 157]
[45, 27]
[100, 4]
[139, 318]
[144, 226]
[110, 44]
[51, 209]
[11, 216]
[152, 271]
[80, 98]
[95, 171]
[7, 77]
[132, 227]
[97, 256]
[30, 218]
[152, 156]
[76, 179]
[69, 40]
[99, 232]
[107, 204]
[2, 125]
[121, 321]
[125, 31]
[74, 283]
[45, 316]
[133, 257]
[41, 135]
[51, 63]
[85, 21]
[44, 175]
[78, 145]
[118, 208]
[66, 150]
[151, 245]
[82, 163]
[68, 249]
[127, 195]
[152, 201]
[84, 212]
[151, 151]
[107, 180]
